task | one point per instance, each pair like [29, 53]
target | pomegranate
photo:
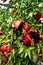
[35, 34]
[5, 59]
[4, 49]
[17, 25]
[25, 27]
[38, 15]
[27, 40]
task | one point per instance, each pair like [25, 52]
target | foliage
[24, 10]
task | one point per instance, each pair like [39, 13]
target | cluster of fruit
[30, 36]
[5, 51]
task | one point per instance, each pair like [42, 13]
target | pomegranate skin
[27, 40]
[4, 49]
[5, 60]
[25, 27]
[17, 25]
[38, 15]
[35, 35]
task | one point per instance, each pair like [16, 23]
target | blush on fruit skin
[25, 27]
[38, 15]
[27, 40]
[4, 49]
[32, 31]
[5, 60]
[17, 24]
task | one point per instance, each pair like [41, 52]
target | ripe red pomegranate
[25, 27]
[5, 60]
[4, 49]
[38, 15]
[27, 40]
[35, 34]
[17, 25]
